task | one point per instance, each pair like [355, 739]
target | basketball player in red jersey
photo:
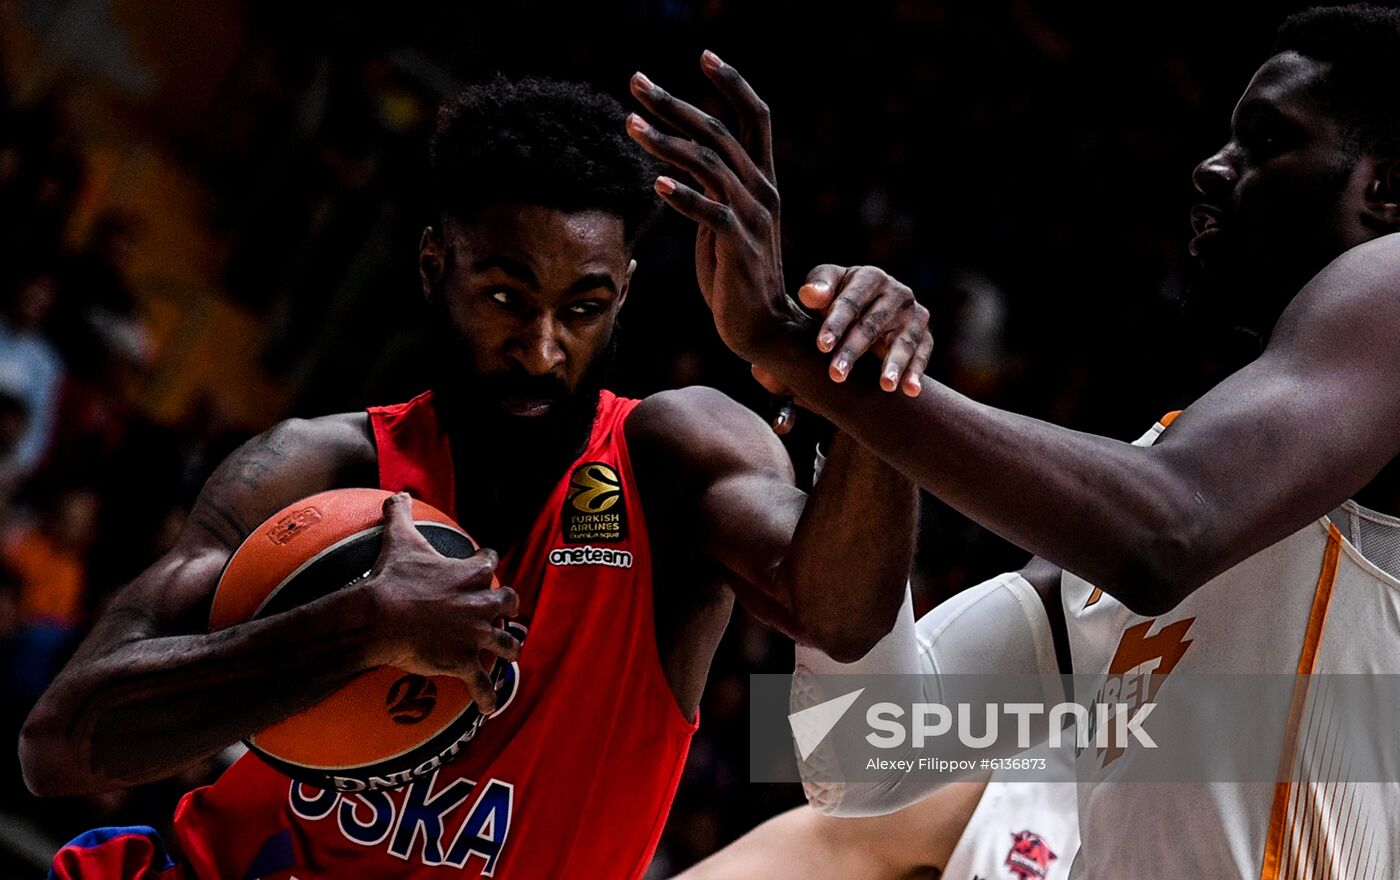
[1236, 531]
[622, 526]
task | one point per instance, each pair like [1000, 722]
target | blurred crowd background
[209, 216]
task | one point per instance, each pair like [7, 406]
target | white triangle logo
[811, 725]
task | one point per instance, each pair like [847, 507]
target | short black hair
[1361, 42]
[540, 142]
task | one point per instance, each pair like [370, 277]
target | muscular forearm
[1106, 510]
[152, 707]
[846, 571]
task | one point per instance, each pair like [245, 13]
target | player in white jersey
[1214, 538]
[994, 829]
[989, 827]
[1323, 600]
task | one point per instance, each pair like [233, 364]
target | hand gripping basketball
[440, 615]
[424, 691]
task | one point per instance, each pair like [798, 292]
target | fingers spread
[707, 212]
[475, 572]
[701, 127]
[755, 121]
[700, 162]
[487, 557]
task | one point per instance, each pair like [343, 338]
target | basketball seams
[301, 569]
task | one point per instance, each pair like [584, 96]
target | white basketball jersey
[1312, 603]
[1019, 831]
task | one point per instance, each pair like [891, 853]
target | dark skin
[1310, 423]
[527, 289]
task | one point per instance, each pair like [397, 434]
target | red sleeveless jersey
[572, 777]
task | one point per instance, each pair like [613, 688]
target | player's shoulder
[691, 406]
[700, 426]
[1383, 251]
[1360, 285]
[1348, 313]
[1373, 266]
[332, 443]
[287, 462]
[304, 455]
[347, 436]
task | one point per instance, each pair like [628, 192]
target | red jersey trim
[418, 460]
[625, 455]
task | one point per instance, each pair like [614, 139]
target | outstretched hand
[738, 258]
[738, 245]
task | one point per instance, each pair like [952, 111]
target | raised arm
[151, 692]
[828, 569]
[1279, 443]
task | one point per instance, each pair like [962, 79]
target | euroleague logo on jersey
[594, 509]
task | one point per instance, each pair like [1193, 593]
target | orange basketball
[387, 727]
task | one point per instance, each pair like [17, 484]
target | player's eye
[586, 309]
[504, 296]
[1265, 137]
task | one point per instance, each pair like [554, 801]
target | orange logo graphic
[1139, 666]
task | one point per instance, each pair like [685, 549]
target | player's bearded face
[480, 401]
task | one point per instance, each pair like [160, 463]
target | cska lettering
[416, 822]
